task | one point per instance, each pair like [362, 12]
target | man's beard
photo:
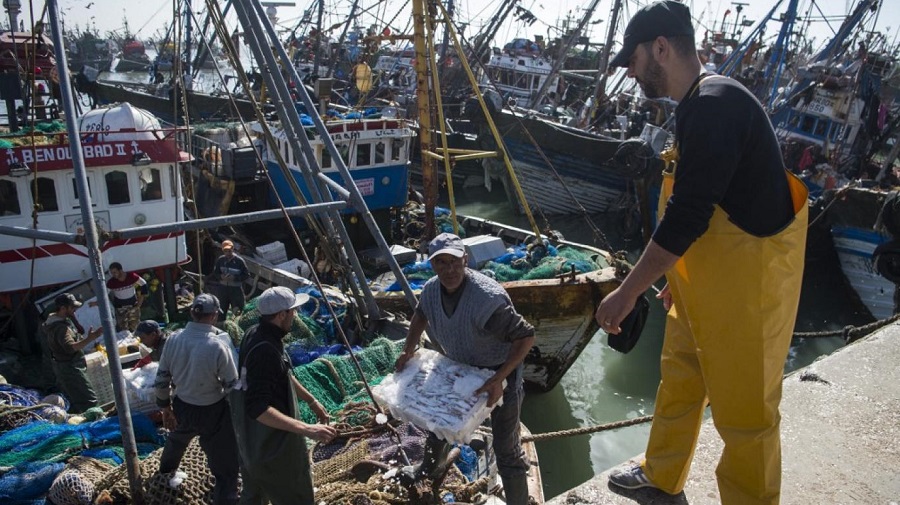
[653, 81]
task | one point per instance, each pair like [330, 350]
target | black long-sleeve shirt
[268, 370]
[728, 156]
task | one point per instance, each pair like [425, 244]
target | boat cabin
[132, 172]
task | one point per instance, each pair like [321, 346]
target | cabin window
[397, 149]
[379, 153]
[43, 192]
[117, 188]
[344, 151]
[9, 199]
[794, 121]
[77, 202]
[836, 130]
[807, 123]
[151, 184]
[821, 127]
[173, 183]
[363, 155]
[326, 159]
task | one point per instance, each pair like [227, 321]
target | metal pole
[194, 224]
[600, 86]
[90, 230]
[341, 166]
[294, 130]
[12, 6]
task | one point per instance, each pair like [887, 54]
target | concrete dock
[840, 433]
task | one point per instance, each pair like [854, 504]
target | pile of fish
[437, 394]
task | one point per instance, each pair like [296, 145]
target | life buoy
[887, 260]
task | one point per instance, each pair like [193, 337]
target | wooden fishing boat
[159, 99]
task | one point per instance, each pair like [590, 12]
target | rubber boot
[436, 451]
[515, 489]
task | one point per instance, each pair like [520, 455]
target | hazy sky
[149, 17]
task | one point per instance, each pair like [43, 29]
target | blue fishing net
[467, 462]
[27, 484]
[300, 355]
[43, 441]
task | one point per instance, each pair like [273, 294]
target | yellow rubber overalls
[728, 331]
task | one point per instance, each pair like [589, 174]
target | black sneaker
[630, 477]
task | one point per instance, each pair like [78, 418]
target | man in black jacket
[271, 436]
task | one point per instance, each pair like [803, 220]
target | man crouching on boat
[473, 320]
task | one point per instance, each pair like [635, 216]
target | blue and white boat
[376, 150]
[855, 247]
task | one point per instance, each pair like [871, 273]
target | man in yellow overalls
[730, 242]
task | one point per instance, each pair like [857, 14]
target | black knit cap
[666, 18]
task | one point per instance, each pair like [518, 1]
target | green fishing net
[335, 382]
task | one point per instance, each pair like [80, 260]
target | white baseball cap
[274, 300]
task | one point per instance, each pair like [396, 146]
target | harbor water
[604, 386]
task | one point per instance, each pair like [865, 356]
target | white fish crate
[437, 394]
[273, 252]
[139, 388]
[98, 374]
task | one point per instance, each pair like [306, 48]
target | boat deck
[839, 434]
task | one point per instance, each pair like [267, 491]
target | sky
[148, 18]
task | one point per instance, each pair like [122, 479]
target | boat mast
[12, 6]
[429, 175]
[262, 40]
[602, 73]
[423, 22]
[132, 464]
[563, 54]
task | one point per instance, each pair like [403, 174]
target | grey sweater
[199, 364]
[466, 334]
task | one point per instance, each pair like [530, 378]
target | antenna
[738, 6]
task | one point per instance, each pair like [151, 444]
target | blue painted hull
[382, 187]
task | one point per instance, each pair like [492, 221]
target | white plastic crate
[437, 394]
[483, 248]
[296, 267]
[273, 252]
[139, 388]
[98, 374]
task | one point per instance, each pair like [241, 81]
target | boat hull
[851, 217]
[201, 106]
[568, 171]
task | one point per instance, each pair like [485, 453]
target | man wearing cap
[152, 338]
[126, 291]
[730, 242]
[271, 436]
[67, 353]
[473, 320]
[199, 365]
[229, 273]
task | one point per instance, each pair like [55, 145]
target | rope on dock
[850, 333]
[587, 429]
